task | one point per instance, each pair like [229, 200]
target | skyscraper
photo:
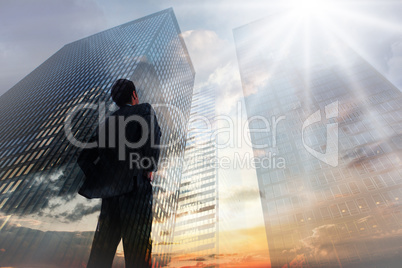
[326, 129]
[196, 229]
[42, 114]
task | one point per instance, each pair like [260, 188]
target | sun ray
[335, 36]
[368, 20]
[286, 22]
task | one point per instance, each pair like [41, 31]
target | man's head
[123, 92]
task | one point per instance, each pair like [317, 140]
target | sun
[307, 8]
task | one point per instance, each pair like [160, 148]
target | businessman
[125, 188]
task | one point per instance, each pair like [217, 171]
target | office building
[38, 123]
[196, 228]
[326, 129]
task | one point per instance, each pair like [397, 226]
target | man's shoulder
[139, 109]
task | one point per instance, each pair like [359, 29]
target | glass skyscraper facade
[196, 229]
[38, 173]
[326, 129]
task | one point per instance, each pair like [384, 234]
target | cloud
[207, 51]
[319, 242]
[226, 81]
[53, 211]
[214, 60]
[50, 180]
[326, 244]
[249, 260]
[69, 208]
[256, 81]
[242, 194]
[63, 208]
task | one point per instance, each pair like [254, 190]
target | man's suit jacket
[106, 175]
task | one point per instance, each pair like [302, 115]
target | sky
[31, 31]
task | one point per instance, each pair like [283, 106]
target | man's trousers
[129, 217]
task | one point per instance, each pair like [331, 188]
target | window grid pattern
[196, 232]
[37, 162]
[308, 200]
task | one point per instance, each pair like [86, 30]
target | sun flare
[306, 8]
